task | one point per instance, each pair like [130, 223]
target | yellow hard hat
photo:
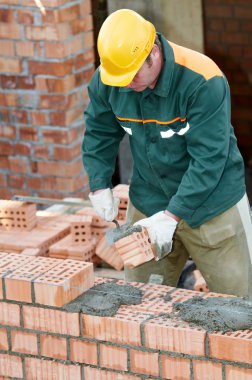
[124, 42]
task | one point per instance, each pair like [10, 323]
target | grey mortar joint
[207, 345]
[39, 344]
[68, 348]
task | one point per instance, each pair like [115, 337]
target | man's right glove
[105, 204]
[161, 228]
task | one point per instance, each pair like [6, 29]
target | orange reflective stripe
[195, 61]
[150, 120]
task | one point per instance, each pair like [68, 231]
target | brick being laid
[135, 249]
[108, 253]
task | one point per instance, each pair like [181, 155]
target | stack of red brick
[47, 343]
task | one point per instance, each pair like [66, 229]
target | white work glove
[105, 204]
[161, 228]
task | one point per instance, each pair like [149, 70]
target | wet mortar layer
[216, 314]
[118, 233]
[105, 299]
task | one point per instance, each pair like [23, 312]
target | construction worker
[188, 186]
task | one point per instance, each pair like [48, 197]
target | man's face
[148, 74]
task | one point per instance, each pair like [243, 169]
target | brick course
[48, 343]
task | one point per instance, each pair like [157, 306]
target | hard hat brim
[117, 80]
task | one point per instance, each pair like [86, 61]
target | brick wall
[228, 40]
[46, 61]
[139, 342]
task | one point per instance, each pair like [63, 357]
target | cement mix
[124, 230]
[217, 314]
[105, 299]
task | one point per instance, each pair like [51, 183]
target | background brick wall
[228, 41]
[46, 61]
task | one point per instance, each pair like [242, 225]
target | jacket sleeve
[102, 137]
[208, 140]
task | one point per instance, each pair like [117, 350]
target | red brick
[67, 117]
[53, 347]
[124, 327]
[234, 346]
[83, 351]
[82, 25]
[9, 65]
[63, 169]
[24, 342]
[7, 131]
[7, 48]
[10, 31]
[26, 83]
[144, 362]
[50, 320]
[16, 181]
[109, 253]
[175, 368]
[18, 165]
[168, 335]
[238, 373]
[98, 374]
[55, 136]
[39, 118]
[3, 180]
[64, 49]
[201, 368]
[3, 340]
[7, 15]
[25, 48]
[9, 314]
[28, 133]
[135, 249]
[66, 152]
[19, 282]
[58, 32]
[64, 282]
[25, 17]
[22, 149]
[37, 369]
[41, 151]
[54, 68]
[113, 357]
[6, 148]
[19, 116]
[11, 366]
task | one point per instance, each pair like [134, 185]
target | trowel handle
[116, 223]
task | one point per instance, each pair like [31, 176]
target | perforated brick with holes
[81, 228]
[135, 249]
[17, 215]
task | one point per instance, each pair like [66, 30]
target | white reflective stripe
[184, 130]
[245, 214]
[170, 132]
[167, 134]
[128, 130]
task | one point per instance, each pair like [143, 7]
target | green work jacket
[183, 145]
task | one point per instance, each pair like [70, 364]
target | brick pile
[46, 60]
[38, 342]
[22, 230]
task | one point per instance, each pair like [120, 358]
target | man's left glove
[161, 228]
[105, 204]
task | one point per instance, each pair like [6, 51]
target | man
[188, 185]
